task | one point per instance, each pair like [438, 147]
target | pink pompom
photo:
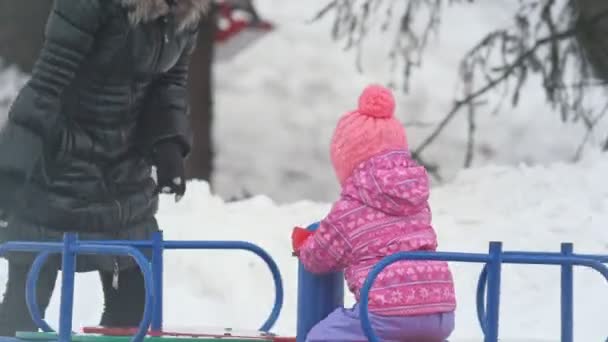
[377, 101]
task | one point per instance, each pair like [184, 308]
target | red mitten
[298, 237]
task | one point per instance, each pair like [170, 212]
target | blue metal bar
[128, 243]
[124, 247]
[601, 258]
[481, 301]
[192, 245]
[550, 259]
[32, 247]
[558, 259]
[386, 261]
[595, 257]
[75, 247]
[567, 295]
[318, 296]
[494, 277]
[241, 245]
[144, 266]
[68, 271]
[520, 258]
[157, 274]
[31, 298]
[442, 256]
[217, 245]
[493, 262]
[594, 264]
[539, 258]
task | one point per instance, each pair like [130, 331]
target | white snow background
[276, 107]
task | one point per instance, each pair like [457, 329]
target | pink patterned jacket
[383, 209]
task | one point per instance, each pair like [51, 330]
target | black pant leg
[14, 315]
[124, 306]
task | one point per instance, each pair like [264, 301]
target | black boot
[124, 298]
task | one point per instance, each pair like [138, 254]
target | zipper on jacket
[115, 259]
[119, 207]
[131, 96]
[115, 274]
[117, 204]
[164, 38]
[165, 34]
[112, 196]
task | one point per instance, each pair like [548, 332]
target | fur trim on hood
[187, 12]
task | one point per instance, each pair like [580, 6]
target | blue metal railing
[69, 249]
[567, 285]
[318, 296]
[489, 315]
[158, 245]
[152, 271]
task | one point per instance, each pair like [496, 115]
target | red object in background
[238, 27]
[298, 237]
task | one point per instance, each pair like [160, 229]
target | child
[383, 209]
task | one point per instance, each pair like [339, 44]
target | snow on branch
[416, 21]
[539, 45]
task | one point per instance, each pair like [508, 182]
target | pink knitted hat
[366, 132]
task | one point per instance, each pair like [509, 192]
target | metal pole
[494, 275]
[567, 294]
[68, 270]
[157, 274]
[31, 296]
[318, 296]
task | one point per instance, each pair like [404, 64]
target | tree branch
[538, 45]
[488, 86]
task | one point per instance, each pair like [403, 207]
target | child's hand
[298, 237]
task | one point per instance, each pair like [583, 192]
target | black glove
[168, 158]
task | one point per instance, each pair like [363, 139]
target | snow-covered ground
[276, 107]
[11, 80]
[289, 89]
[277, 103]
[529, 208]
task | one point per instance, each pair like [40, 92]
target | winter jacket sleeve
[34, 121]
[328, 249]
[167, 113]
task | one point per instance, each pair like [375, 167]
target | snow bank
[11, 80]
[529, 208]
[289, 89]
[277, 103]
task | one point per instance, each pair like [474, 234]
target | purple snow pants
[344, 325]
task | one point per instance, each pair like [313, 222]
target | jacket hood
[391, 182]
[187, 12]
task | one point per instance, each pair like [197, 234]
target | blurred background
[499, 83]
[518, 81]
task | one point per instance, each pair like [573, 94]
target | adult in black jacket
[106, 101]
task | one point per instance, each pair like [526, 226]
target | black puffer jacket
[110, 82]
